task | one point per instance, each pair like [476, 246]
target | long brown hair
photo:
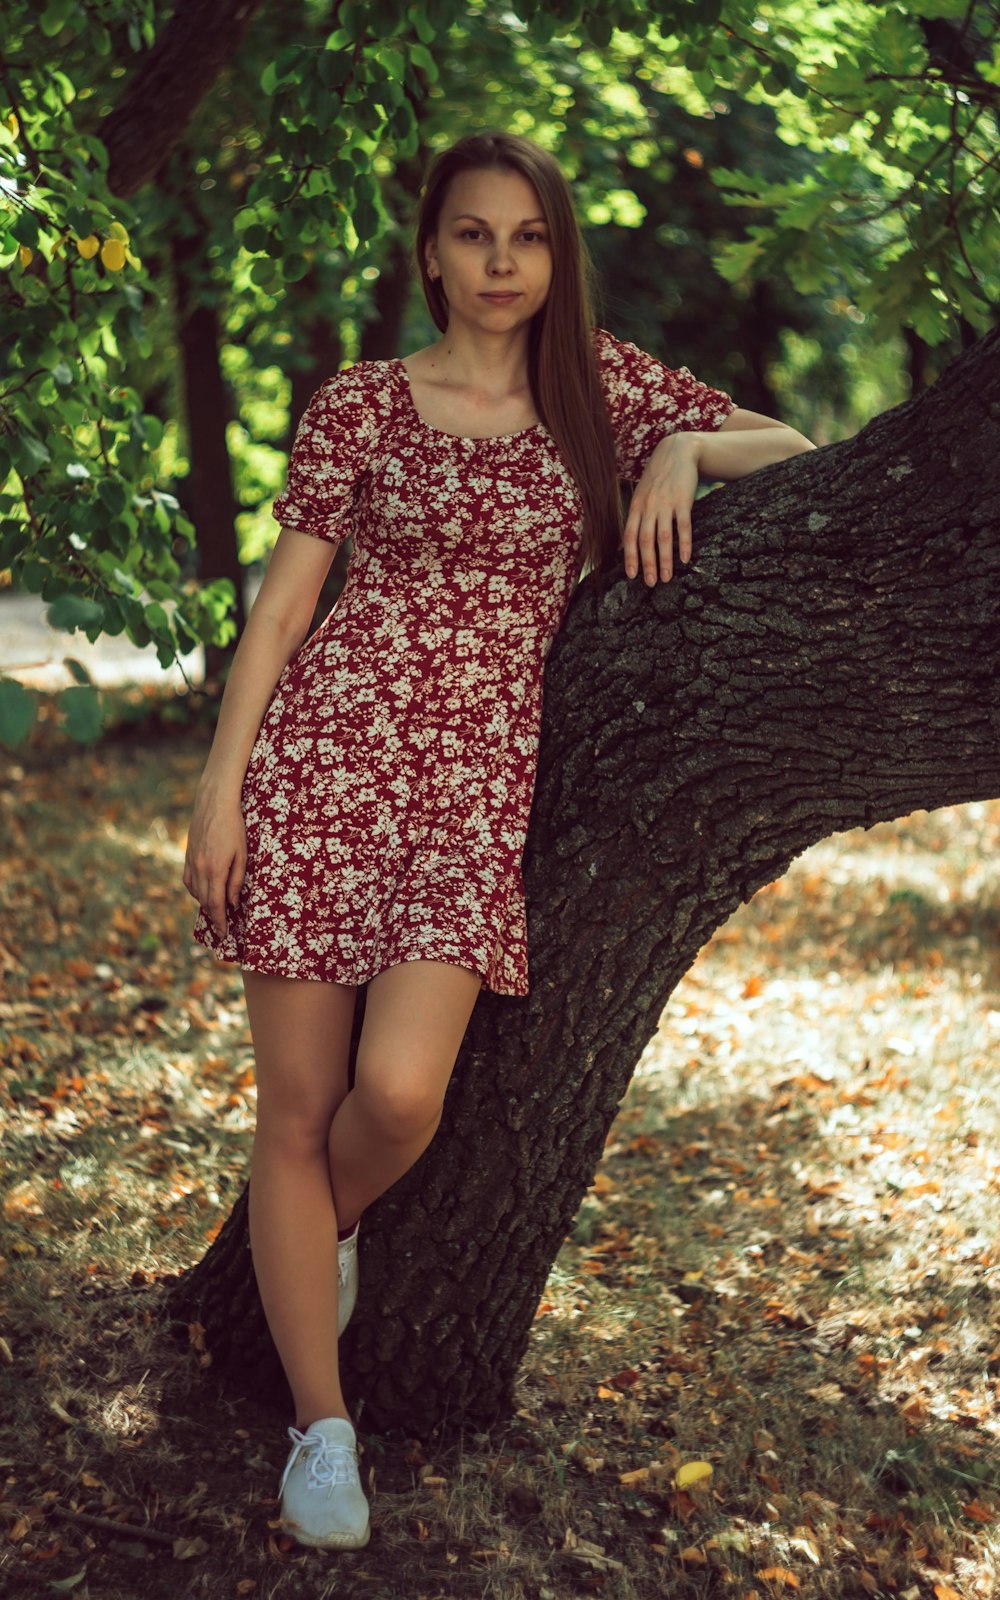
[562, 366]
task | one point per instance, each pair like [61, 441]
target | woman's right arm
[215, 861]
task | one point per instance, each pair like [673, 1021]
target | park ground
[783, 1280]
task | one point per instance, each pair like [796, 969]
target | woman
[362, 814]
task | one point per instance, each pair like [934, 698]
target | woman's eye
[529, 233]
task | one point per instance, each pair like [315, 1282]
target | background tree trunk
[828, 660]
[162, 97]
[208, 407]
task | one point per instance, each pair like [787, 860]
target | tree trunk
[828, 660]
[187, 57]
[208, 408]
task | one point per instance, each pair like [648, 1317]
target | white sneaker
[347, 1276]
[322, 1501]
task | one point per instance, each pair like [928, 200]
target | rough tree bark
[187, 57]
[828, 660]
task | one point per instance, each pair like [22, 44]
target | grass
[786, 1267]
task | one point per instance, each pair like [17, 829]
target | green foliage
[887, 204]
[900, 118]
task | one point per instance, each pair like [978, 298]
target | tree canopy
[281, 149]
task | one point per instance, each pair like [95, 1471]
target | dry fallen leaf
[187, 1549]
[692, 1472]
[692, 1556]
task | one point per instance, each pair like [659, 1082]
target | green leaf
[420, 56]
[112, 495]
[69, 611]
[294, 267]
[257, 238]
[78, 670]
[31, 455]
[17, 711]
[157, 620]
[25, 229]
[82, 709]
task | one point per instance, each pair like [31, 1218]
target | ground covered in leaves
[767, 1361]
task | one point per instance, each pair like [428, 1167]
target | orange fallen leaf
[692, 1556]
[979, 1512]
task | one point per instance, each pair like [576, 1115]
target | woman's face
[492, 236]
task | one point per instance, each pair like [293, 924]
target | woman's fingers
[684, 533]
[208, 888]
[651, 535]
[664, 495]
[215, 861]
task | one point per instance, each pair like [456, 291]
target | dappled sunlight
[783, 1274]
[788, 1260]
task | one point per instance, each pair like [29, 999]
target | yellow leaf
[692, 1472]
[89, 246]
[779, 1575]
[12, 125]
[113, 254]
[117, 231]
[25, 255]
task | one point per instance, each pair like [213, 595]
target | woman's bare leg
[301, 1038]
[416, 1014]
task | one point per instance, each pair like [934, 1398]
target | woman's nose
[500, 258]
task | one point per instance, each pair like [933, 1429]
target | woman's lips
[511, 294]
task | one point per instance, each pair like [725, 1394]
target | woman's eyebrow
[522, 224]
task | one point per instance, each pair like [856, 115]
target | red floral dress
[387, 795]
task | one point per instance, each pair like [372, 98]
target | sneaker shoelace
[326, 1462]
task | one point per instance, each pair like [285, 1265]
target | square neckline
[466, 438]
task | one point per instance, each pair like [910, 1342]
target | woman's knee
[401, 1108]
[298, 1126]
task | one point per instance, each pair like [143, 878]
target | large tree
[828, 660]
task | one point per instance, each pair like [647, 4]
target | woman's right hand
[216, 858]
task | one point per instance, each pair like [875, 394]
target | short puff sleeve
[647, 400]
[334, 444]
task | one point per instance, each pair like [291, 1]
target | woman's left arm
[760, 441]
[665, 493]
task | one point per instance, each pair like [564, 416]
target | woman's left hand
[664, 495]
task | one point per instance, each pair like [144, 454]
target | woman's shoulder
[619, 364]
[361, 380]
[363, 397]
[616, 355]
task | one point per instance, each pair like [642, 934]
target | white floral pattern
[387, 795]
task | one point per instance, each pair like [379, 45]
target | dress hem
[422, 955]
